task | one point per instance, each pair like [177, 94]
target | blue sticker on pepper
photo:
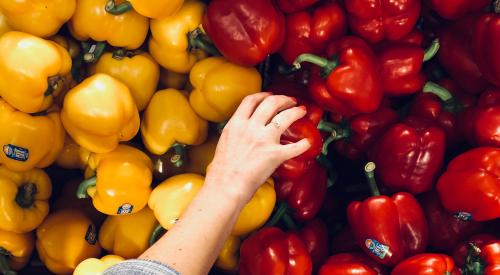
[463, 216]
[126, 208]
[377, 248]
[91, 235]
[16, 153]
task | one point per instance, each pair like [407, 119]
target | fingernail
[303, 107]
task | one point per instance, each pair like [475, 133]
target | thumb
[295, 149]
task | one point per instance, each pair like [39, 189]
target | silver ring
[276, 124]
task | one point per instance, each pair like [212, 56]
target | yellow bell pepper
[175, 41]
[220, 86]
[94, 266]
[31, 71]
[169, 119]
[4, 27]
[66, 238]
[122, 181]
[29, 141]
[15, 250]
[201, 156]
[169, 79]
[99, 113]
[72, 156]
[164, 168]
[229, 255]
[24, 199]
[128, 236]
[150, 8]
[42, 18]
[139, 72]
[91, 21]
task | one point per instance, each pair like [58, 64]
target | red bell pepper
[314, 234]
[376, 20]
[480, 255]
[245, 31]
[348, 84]
[274, 252]
[426, 263]
[454, 9]
[462, 250]
[351, 264]
[456, 55]
[409, 155]
[310, 31]
[485, 46]
[389, 229]
[289, 6]
[471, 185]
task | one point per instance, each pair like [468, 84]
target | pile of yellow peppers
[109, 103]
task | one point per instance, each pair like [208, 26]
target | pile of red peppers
[403, 101]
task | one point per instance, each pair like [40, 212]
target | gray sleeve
[140, 267]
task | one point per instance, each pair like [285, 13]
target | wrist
[227, 189]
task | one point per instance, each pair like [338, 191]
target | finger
[249, 104]
[292, 150]
[284, 120]
[270, 107]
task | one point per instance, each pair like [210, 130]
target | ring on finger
[276, 124]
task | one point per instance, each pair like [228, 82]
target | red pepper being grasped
[350, 83]
[245, 31]
[389, 229]
[479, 255]
[289, 6]
[471, 185]
[485, 46]
[426, 264]
[314, 234]
[376, 20]
[351, 264]
[409, 155]
[310, 31]
[271, 251]
[453, 9]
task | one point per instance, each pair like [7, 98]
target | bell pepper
[99, 113]
[65, 239]
[128, 236]
[91, 21]
[121, 181]
[272, 251]
[389, 229]
[484, 260]
[453, 9]
[314, 235]
[153, 9]
[93, 266]
[310, 31]
[470, 187]
[176, 42]
[220, 86]
[169, 121]
[289, 6]
[72, 155]
[348, 84]
[351, 263]
[486, 37]
[409, 155]
[40, 18]
[260, 29]
[25, 196]
[32, 70]
[467, 251]
[139, 72]
[4, 27]
[481, 123]
[228, 259]
[15, 250]
[383, 19]
[426, 263]
[170, 79]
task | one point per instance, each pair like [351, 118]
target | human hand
[249, 148]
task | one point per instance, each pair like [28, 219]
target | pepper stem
[179, 157]
[198, 40]
[278, 214]
[473, 263]
[336, 133]
[114, 9]
[4, 263]
[81, 191]
[159, 230]
[332, 173]
[432, 50]
[93, 51]
[53, 84]
[327, 65]
[25, 193]
[289, 222]
[370, 177]
[450, 103]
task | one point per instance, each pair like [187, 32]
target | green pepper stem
[53, 84]
[336, 133]
[332, 173]
[450, 103]
[157, 232]
[4, 263]
[432, 50]
[370, 177]
[25, 193]
[81, 191]
[114, 9]
[473, 265]
[179, 157]
[198, 40]
[289, 222]
[278, 214]
[327, 65]
[93, 51]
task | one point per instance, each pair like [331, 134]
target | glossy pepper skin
[485, 47]
[289, 6]
[220, 86]
[128, 236]
[426, 263]
[228, 259]
[471, 184]
[250, 43]
[310, 31]
[94, 266]
[272, 251]
[29, 141]
[25, 196]
[170, 42]
[4, 27]
[69, 231]
[350, 264]
[456, 9]
[314, 235]
[155, 9]
[377, 20]
[122, 180]
[389, 229]
[72, 155]
[99, 113]
[91, 21]
[481, 123]
[139, 72]
[16, 248]
[169, 119]
[40, 18]
[409, 155]
[32, 70]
